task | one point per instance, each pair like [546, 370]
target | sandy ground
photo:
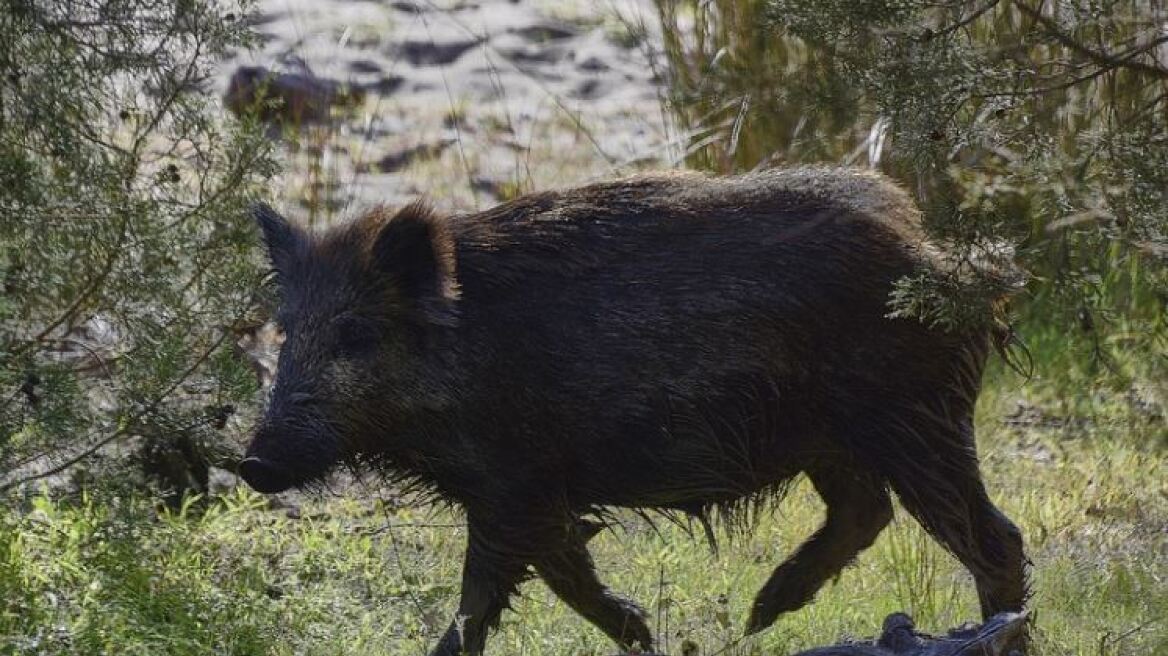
[466, 102]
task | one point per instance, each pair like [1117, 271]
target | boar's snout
[285, 454]
[265, 476]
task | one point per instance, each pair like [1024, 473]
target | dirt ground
[465, 102]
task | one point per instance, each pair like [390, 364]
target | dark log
[1002, 635]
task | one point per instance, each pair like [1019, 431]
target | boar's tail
[1009, 346]
[994, 264]
[988, 270]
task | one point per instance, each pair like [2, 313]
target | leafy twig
[1105, 59]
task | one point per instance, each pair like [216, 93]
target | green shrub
[1011, 124]
[125, 257]
[113, 575]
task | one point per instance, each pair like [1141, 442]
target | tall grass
[743, 90]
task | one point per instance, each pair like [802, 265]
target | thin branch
[163, 110]
[92, 288]
[92, 449]
[100, 361]
[1105, 59]
[131, 423]
[1151, 105]
[977, 13]
[1061, 86]
[1079, 79]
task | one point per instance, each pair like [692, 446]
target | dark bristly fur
[672, 342]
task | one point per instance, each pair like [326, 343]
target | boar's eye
[356, 336]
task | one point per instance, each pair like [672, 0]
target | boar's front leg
[569, 572]
[490, 575]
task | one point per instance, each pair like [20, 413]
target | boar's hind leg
[858, 508]
[569, 572]
[489, 578]
[953, 506]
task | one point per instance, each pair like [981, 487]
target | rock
[287, 97]
[488, 58]
[590, 89]
[496, 189]
[400, 159]
[384, 85]
[522, 51]
[221, 482]
[364, 66]
[259, 19]
[592, 64]
[434, 50]
[408, 7]
[88, 348]
[543, 31]
[259, 347]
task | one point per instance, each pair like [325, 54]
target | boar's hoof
[264, 476]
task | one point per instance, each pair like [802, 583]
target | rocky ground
[467, 102]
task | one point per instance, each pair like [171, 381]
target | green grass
[1085, 477]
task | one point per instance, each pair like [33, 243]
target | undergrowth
[1079, 465]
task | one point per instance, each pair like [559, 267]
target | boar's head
[364, 308]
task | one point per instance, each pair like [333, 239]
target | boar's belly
[711, 452]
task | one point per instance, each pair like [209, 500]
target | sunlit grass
[353, 575]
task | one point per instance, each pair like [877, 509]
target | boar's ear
[415, 248]
[282, 238]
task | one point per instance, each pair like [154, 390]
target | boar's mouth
[289, 451]
[265, 476]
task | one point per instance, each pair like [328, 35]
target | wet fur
[673, 342]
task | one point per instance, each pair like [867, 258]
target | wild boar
[670, 342]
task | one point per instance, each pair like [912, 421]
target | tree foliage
[1041, 125]
[125, 260]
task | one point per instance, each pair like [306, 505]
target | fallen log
[1001, 635]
